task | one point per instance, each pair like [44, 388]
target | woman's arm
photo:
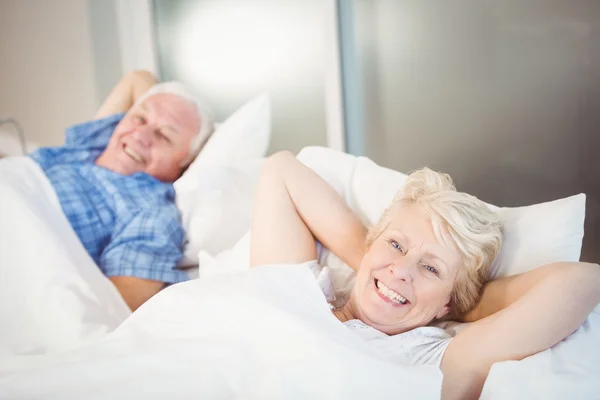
[125, 94]
[521, 316]
[498, 294]
[293, 206]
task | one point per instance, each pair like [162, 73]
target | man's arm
[521, 315]
[136, 291]
[125, 94]
[143, 254]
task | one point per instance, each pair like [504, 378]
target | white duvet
[264, 333]
[52, 294]
[268, 333]
[259, 334]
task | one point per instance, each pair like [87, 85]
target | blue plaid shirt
[128, 224]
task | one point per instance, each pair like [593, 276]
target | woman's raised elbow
[593, 271]
[586, 270]
[278, 162]
[584, 274]
[281, 156]
[578, 269]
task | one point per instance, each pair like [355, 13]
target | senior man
[113, 178]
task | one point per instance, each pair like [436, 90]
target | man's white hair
[202, 109]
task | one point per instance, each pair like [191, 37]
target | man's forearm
[126, 93]
[136, 291]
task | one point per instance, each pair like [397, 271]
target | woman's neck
[345, 313]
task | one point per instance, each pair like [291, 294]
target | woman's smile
[389, 295]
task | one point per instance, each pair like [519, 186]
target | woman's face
[406, 278]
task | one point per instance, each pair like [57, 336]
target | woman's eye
[431, 269]
[396, 246]
[138, 119]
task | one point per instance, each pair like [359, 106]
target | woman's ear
[444, 311]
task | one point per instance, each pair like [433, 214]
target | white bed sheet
[52, 295]
[258, 338]
[268, 333]
[258, 334]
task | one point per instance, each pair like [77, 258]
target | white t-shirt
[425, 345]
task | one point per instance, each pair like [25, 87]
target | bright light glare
[224, 46]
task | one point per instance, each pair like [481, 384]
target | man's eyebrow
[171, 129]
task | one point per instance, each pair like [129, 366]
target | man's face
[153, 137]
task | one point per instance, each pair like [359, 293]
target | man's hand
[136, 291]
[125, 94]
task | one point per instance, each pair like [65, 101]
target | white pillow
[244, 136]
[217, 212]
[534, 235]
[540, 234]
[214, 195]
[235, 259]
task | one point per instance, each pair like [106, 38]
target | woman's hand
[517, 317]
[293, 206]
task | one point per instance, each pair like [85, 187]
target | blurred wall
[58, 59]
[231, 51]
[504, 96]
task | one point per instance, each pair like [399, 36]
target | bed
[236, 333]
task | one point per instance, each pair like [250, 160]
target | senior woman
[426, 259]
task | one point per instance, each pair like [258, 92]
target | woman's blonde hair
[458, 219]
